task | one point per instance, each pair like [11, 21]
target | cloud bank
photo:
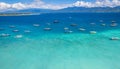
[103, 3]
[35, 4]
[42, 5]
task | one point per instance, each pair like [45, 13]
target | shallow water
[54, 49]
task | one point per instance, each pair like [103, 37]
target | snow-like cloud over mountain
[35, 4]
[104, 3]
[42, 5]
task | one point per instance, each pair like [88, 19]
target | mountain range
[71, 10]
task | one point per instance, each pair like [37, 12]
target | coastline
[18, 14]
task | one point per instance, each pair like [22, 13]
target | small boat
[27, 31]
[18, 36]
[47, 29]
[81, 29]
[73, 24]
[68, 31]
[113, 24]
[56, 21]
[103, 24]
[66, 28]
[16, 30]
[93, 32]
[12, 26]
[113, 21]
[114, 38]
[92, 23]
[36, 25]
[4, 35]
[48, 24]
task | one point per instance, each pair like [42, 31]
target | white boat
[114, 38]
[56, 21]
[47, 29]
[48, 23]
[73, 24]
[15, 30]
[113, 21]
[66, 28]
[92, 23]
[4, 35]
[18, 36]
[36, 25]
[68, 31]
[93, 32]
[27, 31]
[114, 24]
[103, 24]
[12, 26]
[81, 29]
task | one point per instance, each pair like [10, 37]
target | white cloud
[35, 4]
[103, 3]
[4, 6]
[40, 4]
[18, 6]
[83, 4]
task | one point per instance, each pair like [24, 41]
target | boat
[4, 35]
[48, 23]
[56, 21]
[93, 32]
[18, 36]
[47, 29]
[92, 23]
[81, 29]
[113, 24]
[103, 24]
[27, 31]
[68, 31]
[12, 26]
[66, 28]
[15, 30]
[114, 38]
[113, 21]
[36, 25]
[73, 24]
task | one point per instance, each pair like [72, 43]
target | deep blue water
[55, 49]
[82, 19]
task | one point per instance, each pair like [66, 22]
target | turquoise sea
[32, 47]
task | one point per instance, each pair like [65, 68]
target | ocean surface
[33, 47]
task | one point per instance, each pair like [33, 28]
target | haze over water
[55, 49]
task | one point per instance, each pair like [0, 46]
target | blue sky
[15, 1]
[46, 1]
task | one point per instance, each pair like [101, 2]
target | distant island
[75, 10]
[91, 10]
[34, 11]
[15, 14]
